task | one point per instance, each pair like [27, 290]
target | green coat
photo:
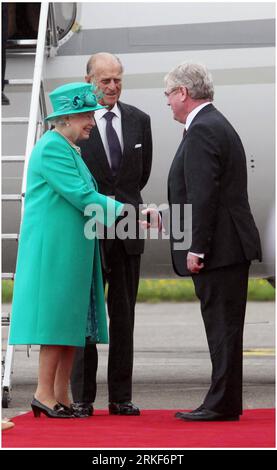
[56, 262]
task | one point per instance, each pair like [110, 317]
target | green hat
[73, 98]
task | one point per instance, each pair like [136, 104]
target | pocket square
[137, 146]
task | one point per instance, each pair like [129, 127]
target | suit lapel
[129, 134]
[99, 153]
[176, 156]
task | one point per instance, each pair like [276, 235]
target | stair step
[13, 158]
[11, 197]
[19, 81]
[5, 319]
[16, 52]
[21, 47]
[15, 120]
[21, 42]
[10, 236]
[7, 275]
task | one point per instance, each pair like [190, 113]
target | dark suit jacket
[135, 165]
[209, 172]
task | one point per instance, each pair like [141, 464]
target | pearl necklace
[69, 141]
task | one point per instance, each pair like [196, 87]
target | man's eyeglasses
[168, 93]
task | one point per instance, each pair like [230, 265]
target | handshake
[154, 219]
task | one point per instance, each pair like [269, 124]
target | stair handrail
[35, 98]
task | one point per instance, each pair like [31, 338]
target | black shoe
[179, 414]
[58, 411]
[126, 408]
[202, 414]
[69, 409]
[82, 409]
[5, 100]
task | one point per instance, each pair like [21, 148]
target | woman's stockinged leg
[63, 373]
[49, 358]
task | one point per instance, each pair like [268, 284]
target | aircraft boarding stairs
[25, 59]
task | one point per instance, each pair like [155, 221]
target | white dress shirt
[116, 123]
[193, 113]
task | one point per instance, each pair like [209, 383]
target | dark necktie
[113, 143]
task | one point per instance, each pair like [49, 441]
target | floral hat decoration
[73, 98]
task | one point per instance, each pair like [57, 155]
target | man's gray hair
[104, 56]
[195, 77]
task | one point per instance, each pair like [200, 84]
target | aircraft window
[65, 16]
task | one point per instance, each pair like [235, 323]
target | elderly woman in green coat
[58, 299]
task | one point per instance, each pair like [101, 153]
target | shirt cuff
[200, 255]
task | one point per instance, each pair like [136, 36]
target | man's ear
[184, 93]
[87, 78]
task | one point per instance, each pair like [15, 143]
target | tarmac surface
[172, 366]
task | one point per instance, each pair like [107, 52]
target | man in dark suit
[119, 155]
[209, 172]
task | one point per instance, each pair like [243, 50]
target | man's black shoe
[203, 414]
[180, 413]
[126, 408]
[5, 100]
[82, 409]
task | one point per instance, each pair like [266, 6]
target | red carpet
[153, 429]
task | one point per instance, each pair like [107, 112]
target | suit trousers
[223, 295]
[122, 276]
